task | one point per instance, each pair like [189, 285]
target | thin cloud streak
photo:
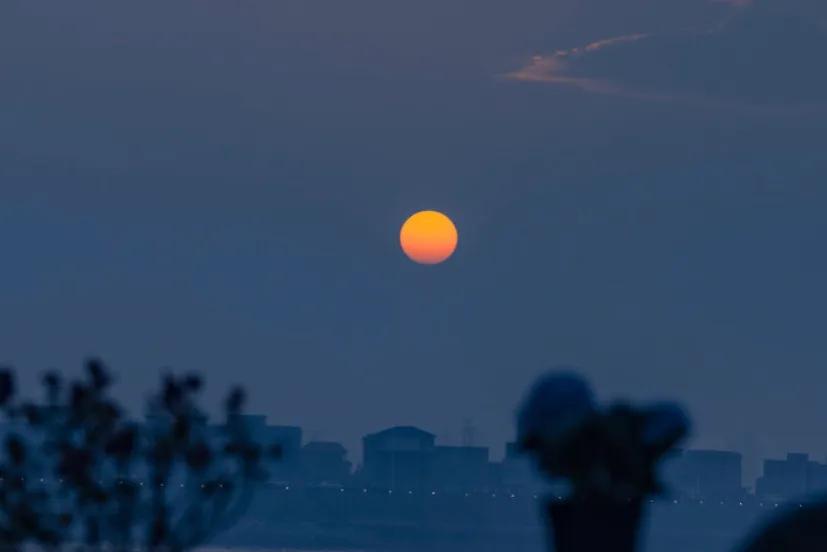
[706, 66]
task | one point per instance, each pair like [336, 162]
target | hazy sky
[218, 185]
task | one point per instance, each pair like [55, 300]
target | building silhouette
[408, 459]
[397, 458]
[791, 478]
[287, 438]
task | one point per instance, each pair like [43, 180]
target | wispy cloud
[757, 57]
[555, 67]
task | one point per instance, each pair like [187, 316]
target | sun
[428, 237]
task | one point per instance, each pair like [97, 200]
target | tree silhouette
[606, 455]
[75, 469]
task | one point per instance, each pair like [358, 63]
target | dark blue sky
[218, 186]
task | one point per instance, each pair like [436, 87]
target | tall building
[790, 478]
[398, 458]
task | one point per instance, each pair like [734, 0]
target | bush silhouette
[75, 469]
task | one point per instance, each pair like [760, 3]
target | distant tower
[469, 433]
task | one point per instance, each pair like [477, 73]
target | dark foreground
[359, 519]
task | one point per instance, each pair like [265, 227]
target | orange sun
[428, 237]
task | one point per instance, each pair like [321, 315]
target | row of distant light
[494, 495]
[723, 502]
[121, 482]
[434, 493]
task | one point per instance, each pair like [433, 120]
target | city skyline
[785, 478]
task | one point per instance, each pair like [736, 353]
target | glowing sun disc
[428, 237]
